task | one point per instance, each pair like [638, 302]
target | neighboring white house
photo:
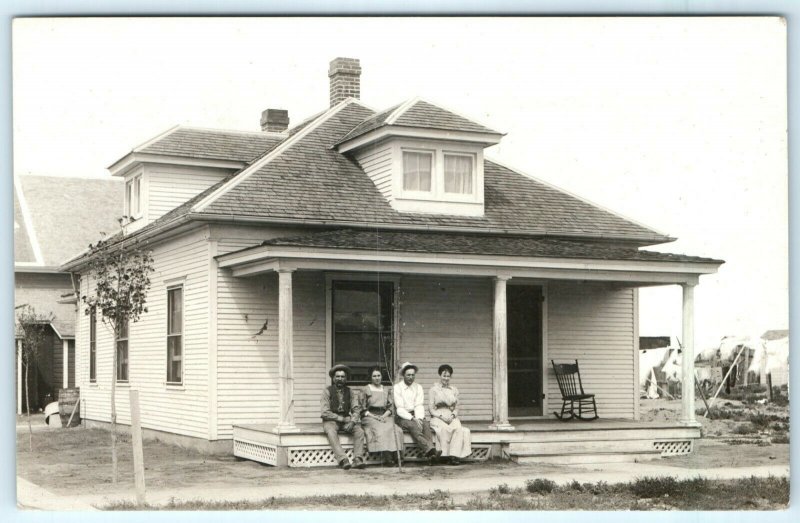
[364, 237]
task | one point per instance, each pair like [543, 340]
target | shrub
[540, 486]
[648, 487]
[576, 486]
[500, 489]
[780, 438]
[745, 428]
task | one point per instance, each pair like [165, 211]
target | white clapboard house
[365, 237]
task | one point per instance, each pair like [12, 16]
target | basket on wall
[69, 399]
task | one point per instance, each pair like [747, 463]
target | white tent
[772, 357]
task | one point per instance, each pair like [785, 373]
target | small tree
[33, 328]
[121, 276]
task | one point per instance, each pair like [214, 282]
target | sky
[676, 123]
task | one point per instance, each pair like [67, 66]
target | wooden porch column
[500, 357]
[285, 349]
[65, 363]
[19, 377]
[687, 357]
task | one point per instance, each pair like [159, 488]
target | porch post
[687, 357]
[285, 348]
[65, 363]
[19, 376]
[500, 369]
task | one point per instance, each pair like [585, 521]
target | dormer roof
[420, 114]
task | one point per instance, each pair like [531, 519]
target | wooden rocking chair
[569, 382]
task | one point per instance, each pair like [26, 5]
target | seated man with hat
[340, 414]
[409, 401]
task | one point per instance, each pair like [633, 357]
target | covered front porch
[532, 441]
[576, 291]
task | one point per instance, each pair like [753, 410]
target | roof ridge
[274, 153]
[401, 109]
[281, 134]
[458, 113]
[156, 138]
[667, 237]
[29, 228]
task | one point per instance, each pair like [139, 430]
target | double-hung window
[133, 197]
[122, 352]
[175, 335]
[458, 173]
[417, 171]
[92, 344]
[363, 326]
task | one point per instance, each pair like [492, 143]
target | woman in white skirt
[452, 439]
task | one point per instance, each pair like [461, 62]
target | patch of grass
[745, 428]
[648, 487]
[780, 438]
[439, 500]
[742, 441]
[540, 486]
[503, 488]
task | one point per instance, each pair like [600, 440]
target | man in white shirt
[409, 401]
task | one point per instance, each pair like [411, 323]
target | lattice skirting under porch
[323, 456]
[673, 448]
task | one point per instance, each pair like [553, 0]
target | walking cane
[390, 371]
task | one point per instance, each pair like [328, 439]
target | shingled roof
[211, 144]
[417, 113]
[303, 179]
[66, 214]
[445, 243]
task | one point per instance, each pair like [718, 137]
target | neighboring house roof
[211, 144]
[417, 113]
[63, 216]
[444, 243]
[772, 335]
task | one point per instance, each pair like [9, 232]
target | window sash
[92, 346]
[458, 174]
[362, 326]
[122, 353]
[175, 335]
[137, 193]
[417, 171]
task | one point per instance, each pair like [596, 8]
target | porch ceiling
[467, 255]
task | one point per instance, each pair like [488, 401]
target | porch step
[586, 457]
[580, 447]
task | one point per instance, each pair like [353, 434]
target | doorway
[524, 331]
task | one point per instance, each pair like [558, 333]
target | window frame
[92, 345]
[180, 335]
[427, 201]
[473, 174]
[428, 152]
[133, 196]
[117, 344]
[365, 278]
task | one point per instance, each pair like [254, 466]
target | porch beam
[285, 353]
[687, 358]
[19, 376]
[65, 363]
[500, 370]
[634, 278]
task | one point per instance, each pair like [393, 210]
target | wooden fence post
[138, 452]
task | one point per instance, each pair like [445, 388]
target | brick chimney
[275, 120]
[345, 76]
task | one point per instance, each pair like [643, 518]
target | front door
[524, 327]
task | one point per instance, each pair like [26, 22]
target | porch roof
[544, 257]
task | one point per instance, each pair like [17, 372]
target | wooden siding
[179, 409]
[449, 320]
[377, 164]
[168, 186]
[595, 324]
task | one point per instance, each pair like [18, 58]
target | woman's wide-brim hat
[339, 367]
[408, 365]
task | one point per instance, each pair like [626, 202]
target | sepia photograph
[401, 263]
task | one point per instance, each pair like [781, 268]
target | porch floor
[533, 440]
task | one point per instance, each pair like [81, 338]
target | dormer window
[458, 173]
[133, 197]
[417, 170]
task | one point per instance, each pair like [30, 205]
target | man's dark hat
[445, 367]
[335, 368]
